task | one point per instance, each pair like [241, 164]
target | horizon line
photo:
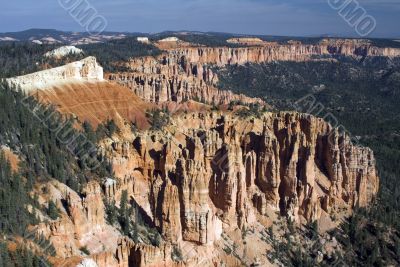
[322, 35]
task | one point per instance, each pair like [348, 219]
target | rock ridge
[84, 70]
[280, 52]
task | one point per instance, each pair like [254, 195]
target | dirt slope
[96, 102]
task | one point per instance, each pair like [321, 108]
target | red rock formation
[158, 88]
[212, 172]
[172, 78]
[185, 72]
[289, 52]
[207, 172]
[82, 222]
[216, 172]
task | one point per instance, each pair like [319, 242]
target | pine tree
[111, 212]
[125, 213]
[111, 127]
[52, 210]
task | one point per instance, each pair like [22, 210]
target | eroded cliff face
[158, 88]
[172, 79]
[292, 51]
[222, 170]
[185, 71]
[81, 223]
[216, 172]
[207, 174]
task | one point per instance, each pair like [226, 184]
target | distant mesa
[245, 41]
[343, 42]
[173, 43]
[294, 42]
[59, 37]
[250, 41]
[50, 40]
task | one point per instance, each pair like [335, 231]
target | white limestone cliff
[84, 70]
[63, 51]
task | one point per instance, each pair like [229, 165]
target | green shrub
[85, 250]
[52, 210]
[158, 119]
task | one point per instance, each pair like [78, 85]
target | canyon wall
[81, 223]
[276, 52]
[186, 72]
[217, 172]
[159, 88]
[209, 173]
[167, 79]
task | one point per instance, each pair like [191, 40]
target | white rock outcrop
[144, 40]
[8, 39]
[37, 42]
[63, 51]
[84, 70]
[170, 39]
[87, 263]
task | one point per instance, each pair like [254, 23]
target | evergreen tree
[52, 210]
[125, 214]
[111, 212]
[111, 127]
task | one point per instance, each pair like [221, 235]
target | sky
[269, 17]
